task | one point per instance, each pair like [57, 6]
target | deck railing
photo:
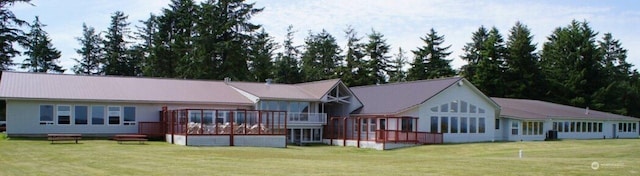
[408, 136]
[307, 118]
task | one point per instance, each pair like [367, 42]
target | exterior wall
[23, 117]
[367, 144]
[607, 131]
[260, 141]
[457, 93]
[223, 140]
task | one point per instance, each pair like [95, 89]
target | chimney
[268, 81]
[586, 111]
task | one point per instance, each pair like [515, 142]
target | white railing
[307, 118]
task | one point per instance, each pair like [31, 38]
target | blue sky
[402, 22]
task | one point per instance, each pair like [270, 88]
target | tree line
[216, 39]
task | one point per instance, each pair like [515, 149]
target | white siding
[23, 117]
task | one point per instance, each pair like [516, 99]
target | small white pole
[520, 153]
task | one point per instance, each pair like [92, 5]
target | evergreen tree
[179, 24]
[287, 69]
[572, 63]
[43, 57]
[352, 72]
[91, 52]
[261, 51]
[142, 50]
[618, 94]
[396, 73]
[10, 33]
[321, 57]
[430, 60]
[473, 53]
[523, 75]
[489, 72]
[378, 63]
[117, 60]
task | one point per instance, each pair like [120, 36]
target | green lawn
[103, 157]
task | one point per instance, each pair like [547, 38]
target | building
[532, 120]
[229, 113]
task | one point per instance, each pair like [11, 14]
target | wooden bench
[64, 137]
[130, 137]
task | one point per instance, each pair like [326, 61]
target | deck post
[231, 116]
[358, 127]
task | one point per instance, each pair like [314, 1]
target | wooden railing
[385, 136]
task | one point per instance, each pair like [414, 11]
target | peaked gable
[396, 97]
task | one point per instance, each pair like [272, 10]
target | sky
[402, 22]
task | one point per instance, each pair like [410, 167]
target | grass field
[103, 157]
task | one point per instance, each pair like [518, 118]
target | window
[481, 125]
[81, 115]
[599, 127]
[498, 124]
[434, 109]
[472, 125]
[114, 115]
[444, 124]
[525, 128]
[566, 126]
[97, 115]
[46, 114]
[555, 126]
[463, 106]
[573, 127]
[619, 127]
[64, 114]
[584, 127]
[463, 125]
[454, 124]
[589, 127]
[434, 124]
[372, 125]
[316, 135]
[472, 108]
[634, 127]
[407, 124]
[444, 108]
[514, 128]
[454, 106]
[480, 110]
[364, 125]
[540, 126]
[383, 123]
[129, 115]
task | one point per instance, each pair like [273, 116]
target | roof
[396, 97]
[311, 91]
[541, 110]
[115, 88]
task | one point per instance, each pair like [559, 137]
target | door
[614, 131]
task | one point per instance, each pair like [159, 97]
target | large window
[129, 115]
[434, 124]
[407, 124]
[472, 125]
[463, 125]
[481, 125]
[114, 115]
[444, 124]
[532, 128]
[64, 114]
[81, 115]
[97, 115]
[454, 124]
[46, 114]
[514, 128]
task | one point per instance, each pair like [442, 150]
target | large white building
[197, 112]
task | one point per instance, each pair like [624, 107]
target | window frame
[75, 114]
[109, 115]
[58, 114]
[45, 122]
[104, 114]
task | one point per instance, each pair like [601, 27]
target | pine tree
[91, 52]
[117, 61]
[43, 57]
[523, 76]
[142, 50]
[261, 50]
[617, 95]
[378, 63]
[571, 61]
[10, 33]
[473, 53]
[352, 73]
[321, 57]
[287, 69]
[396, 72]
[489, 73]
[430, 60]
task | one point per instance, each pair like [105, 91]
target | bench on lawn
[64, 137]
[130, 137]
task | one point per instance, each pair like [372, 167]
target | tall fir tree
[91, 52]
[352, 72]
[287, 68]
[396, 72]
[141, 51]
[321, 57]
[430, 60]
[618, 95]
[473, 53]
[489, 72]
[523, 76]
[180, 21]
[42, 56]
[10, 33]
[261, 52]
[378, 63]
[571, 61]
[117, 60]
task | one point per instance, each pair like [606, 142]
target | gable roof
[394, 98]
[541, 110]
[311, 91]
[115, 88]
